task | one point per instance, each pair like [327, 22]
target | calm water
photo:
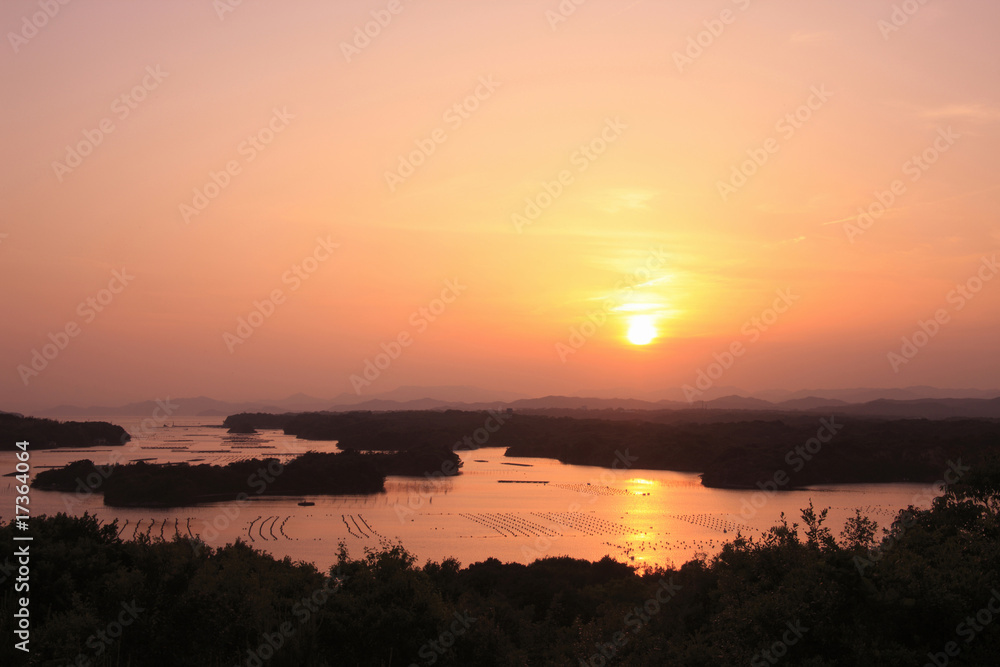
[510, 508]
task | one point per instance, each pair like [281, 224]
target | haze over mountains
[919, 401]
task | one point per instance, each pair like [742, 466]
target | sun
[641, 330]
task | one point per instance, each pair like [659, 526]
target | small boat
[306, 503]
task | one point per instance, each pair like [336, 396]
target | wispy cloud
[637, 2]
[898, 209]
[804, 37]
[975, 112]
[614, 201]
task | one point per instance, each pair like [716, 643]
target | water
[514, 509]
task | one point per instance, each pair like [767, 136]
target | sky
[246, 200]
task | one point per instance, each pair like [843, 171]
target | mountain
[867, 394]
[911, 402]
[379, 404]
[452, 394]
[582, 403]
[401, 398]
[738, 403]
[810, 403]
[944, 408]
[677, 395]
[185, 407]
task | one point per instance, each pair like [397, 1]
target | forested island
[923, 592]
[783, 453]
[730, 452]
[385, 431]
[142, 484]
[49, 434]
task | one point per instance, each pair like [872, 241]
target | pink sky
[621, 129]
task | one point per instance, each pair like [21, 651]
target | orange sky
[684, 183]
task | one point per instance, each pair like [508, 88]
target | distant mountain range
[865, 394]
[929, 402]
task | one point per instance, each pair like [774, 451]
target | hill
[49, 434]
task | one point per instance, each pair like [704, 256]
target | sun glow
[641, 330]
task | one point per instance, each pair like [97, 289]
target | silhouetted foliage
[731, 454]
[313, 473]
[893, 599]
[48, 433]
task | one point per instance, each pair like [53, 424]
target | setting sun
[641, 330]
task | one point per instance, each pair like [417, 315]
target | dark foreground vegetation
[48, 433]
[925, 592]
[806, 449]
[143, 484]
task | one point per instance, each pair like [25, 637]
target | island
[731, 448]
[50, 434]
[142, 484]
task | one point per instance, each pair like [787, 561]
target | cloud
[975, 112]
[614, 201]
[803, 37]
